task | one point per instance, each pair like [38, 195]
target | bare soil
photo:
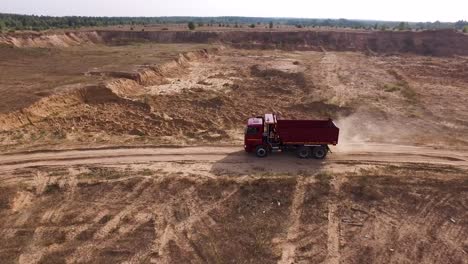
[208, 204]
[29, 74]
[122, 151]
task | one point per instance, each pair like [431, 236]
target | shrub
[191, 26]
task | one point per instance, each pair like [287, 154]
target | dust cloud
[359, 130]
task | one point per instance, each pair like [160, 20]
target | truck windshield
[251, 130]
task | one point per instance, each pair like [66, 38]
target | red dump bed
[307, 132]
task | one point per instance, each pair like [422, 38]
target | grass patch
[146, 172]
[101, 173]
[390, 88]
[324, 180]
[52, 188]
[365, 189]
[401, 85]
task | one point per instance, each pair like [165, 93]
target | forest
[12, 22]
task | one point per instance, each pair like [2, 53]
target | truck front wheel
[319, 152]
[303, 152]
[261, 151]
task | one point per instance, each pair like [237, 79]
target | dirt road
[229, 155]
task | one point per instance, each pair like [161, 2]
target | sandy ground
[147, 165]
[355, 153]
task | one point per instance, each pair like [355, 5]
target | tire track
[288, 248]
[166, 233]
[333, 242]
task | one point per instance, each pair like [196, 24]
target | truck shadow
[240, 163]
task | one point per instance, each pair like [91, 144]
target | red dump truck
[308, 138]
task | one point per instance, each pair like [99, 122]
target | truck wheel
[261, 151]
[303, 152]
[319, 152]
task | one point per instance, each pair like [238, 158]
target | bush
[191, 26]
[465, 29]
[252, 26]
[403, 26]
[271, 24]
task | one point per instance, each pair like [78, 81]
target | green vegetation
[391, 88]
[191, 25]
[252, 26]
[401, 85]
[27, 22]
[366, 188]
[50, 188]
[403, 26]
[324, 180]
[465, 29]
[101, 173]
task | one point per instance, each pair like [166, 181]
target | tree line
[11, 22]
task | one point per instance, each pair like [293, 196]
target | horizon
[397, 11]
[251, 17]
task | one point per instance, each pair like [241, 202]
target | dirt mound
[156, 74]
[58, 105]
[89, 108]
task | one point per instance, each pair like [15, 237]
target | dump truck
[308, 138]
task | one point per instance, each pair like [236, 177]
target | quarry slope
[434, 42]
[204, 96]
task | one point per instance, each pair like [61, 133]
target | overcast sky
[396, 10]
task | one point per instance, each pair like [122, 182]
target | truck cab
[309, 138]
[253, 135]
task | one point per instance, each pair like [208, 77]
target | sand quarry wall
[436, 43]
[43, 40]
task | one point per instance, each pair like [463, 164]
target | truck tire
[303, 152]
[261, 151]
[319, 152]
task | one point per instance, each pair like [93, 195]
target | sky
[392, 10]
